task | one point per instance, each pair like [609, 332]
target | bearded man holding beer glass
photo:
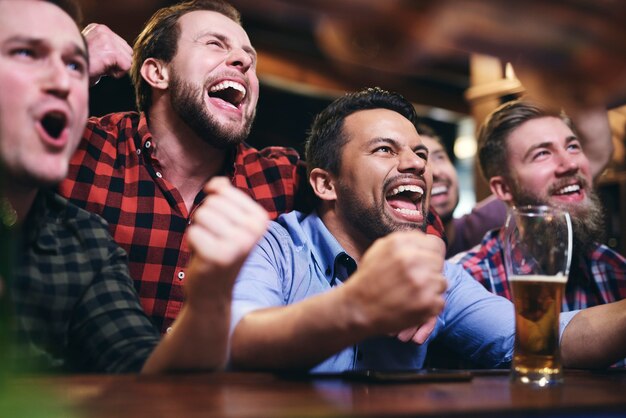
[532, 156]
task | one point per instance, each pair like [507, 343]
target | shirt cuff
[564, 320]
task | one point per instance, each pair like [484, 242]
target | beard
[187, 101]
[372, 222]
[587, 217]
[447, 215]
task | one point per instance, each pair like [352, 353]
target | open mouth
[438, 190]
[568, 190]
[228, 91]
[405, 199]
[54, 123]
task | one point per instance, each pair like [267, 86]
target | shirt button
[181, 275]
[148, 143]
[158, 174]
[168, 330]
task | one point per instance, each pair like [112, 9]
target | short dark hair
[423, 129]
[159, 39]
[326, 137]
[495, 130]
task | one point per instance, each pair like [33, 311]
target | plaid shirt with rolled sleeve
[115, 174]
[596, 279]
[75, 305]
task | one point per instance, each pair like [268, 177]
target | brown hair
[495, 130]
[70, 7]
[159, 39]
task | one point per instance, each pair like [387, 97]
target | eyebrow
[378, 139]
[249, 50]
[423, 147]
[548, 144]
[39, 43]
[395, 143]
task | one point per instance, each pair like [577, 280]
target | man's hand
[418, 334]
[109, 54]
[399, 283]
[225, 228]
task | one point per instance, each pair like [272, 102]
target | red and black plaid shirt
[115, 174]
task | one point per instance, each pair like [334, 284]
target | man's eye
[383, 149]
[540, 154]
[77, 66]
[23, 52]
[214, 43]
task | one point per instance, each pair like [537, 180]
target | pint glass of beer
[537, 255]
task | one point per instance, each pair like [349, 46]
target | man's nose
[567, 163]
[238, 57]
[56, 78]
[409, 161]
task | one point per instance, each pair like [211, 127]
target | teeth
[438, 190]
[229, 83]
[569, 189]
[407, 188]
[410, 212]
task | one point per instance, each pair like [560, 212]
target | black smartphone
[402, 376]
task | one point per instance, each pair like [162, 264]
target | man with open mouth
[194, 72]
[357, 285]
[465, 232]
[75, 307]
[531, 155]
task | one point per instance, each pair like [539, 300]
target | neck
[448, 227]
[187, 161]
[350, 240]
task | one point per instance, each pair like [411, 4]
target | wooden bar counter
[583, 394]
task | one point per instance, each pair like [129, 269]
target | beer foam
[558, 278]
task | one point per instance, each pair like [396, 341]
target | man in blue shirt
[300, 303]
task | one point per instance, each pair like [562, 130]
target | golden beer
[537, 301]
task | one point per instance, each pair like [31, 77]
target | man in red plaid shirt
[194, 72]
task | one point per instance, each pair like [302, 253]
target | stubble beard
[187, 101]
[370, 221]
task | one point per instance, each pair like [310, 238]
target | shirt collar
[327, 252]
[143, 133]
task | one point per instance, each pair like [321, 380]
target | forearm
[298, 336]
[198, 340]
[595, 337]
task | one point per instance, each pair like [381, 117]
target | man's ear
[500, 188]
[155, 72]
[323, 184]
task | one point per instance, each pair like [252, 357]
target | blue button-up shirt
[299, 258]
